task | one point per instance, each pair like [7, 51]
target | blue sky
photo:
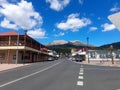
[49, 20]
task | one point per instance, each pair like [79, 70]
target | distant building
[96, 55]
[103, 54]
[79, 53]
[17, 48]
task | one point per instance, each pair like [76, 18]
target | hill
[62, 46]
[115, 45]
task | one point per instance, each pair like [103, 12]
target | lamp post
[88, 49]
[111, 51]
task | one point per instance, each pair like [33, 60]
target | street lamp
[88, 49]
[111, 51]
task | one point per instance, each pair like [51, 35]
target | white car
[50, 59]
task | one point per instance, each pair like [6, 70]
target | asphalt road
[60, 75]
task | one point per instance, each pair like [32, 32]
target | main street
[61, 75]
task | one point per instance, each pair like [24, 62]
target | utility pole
[88, 48]
[111, 50]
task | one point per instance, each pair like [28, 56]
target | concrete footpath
[10, 66]
[103, 63]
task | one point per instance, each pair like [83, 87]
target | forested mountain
[62, 46]
[115, 45]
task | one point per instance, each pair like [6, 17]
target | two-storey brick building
[20, 48]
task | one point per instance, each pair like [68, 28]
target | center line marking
[81, 70]
[80, 77]
[80, 83]
[81, 73]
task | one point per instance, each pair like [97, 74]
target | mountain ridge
[116, 45]
[63, 42]
[68, 45]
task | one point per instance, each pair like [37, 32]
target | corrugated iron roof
[12, 33]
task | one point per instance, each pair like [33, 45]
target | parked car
[50, 59]
[78, 59]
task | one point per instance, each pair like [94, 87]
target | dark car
[78, 59]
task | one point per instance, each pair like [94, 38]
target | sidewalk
[99, 63]
[10, 66]
[103, 63]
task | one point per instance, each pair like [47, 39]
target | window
[2, 56]
[14, 57]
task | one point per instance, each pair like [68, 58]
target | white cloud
[60, 34]
[93, 28]
[6, 24]
[22, 14]
[58, 4]
[107, 27]
[3, 2]
[38, 33]
[115, 8]
[74, 23]
[81, 2]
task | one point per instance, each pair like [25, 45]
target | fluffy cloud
[3, 2]
[58, 4]
[60, 34]
[107, 27]
[74, 23]
[115, 8]
[38, 33]
[93, 28]
[21, 16]
[6, 24]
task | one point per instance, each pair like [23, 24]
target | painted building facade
[97, 55]
[17, 48]
[103, 55]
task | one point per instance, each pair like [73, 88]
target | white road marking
[5, 84]
[81, 70]
[80, 77]
[81, 73]
[80, 83]
[118, 89]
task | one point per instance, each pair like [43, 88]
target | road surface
[60, 75]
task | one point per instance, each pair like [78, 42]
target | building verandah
[9, 56]
[16, 48]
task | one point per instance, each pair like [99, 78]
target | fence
[103, 55]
